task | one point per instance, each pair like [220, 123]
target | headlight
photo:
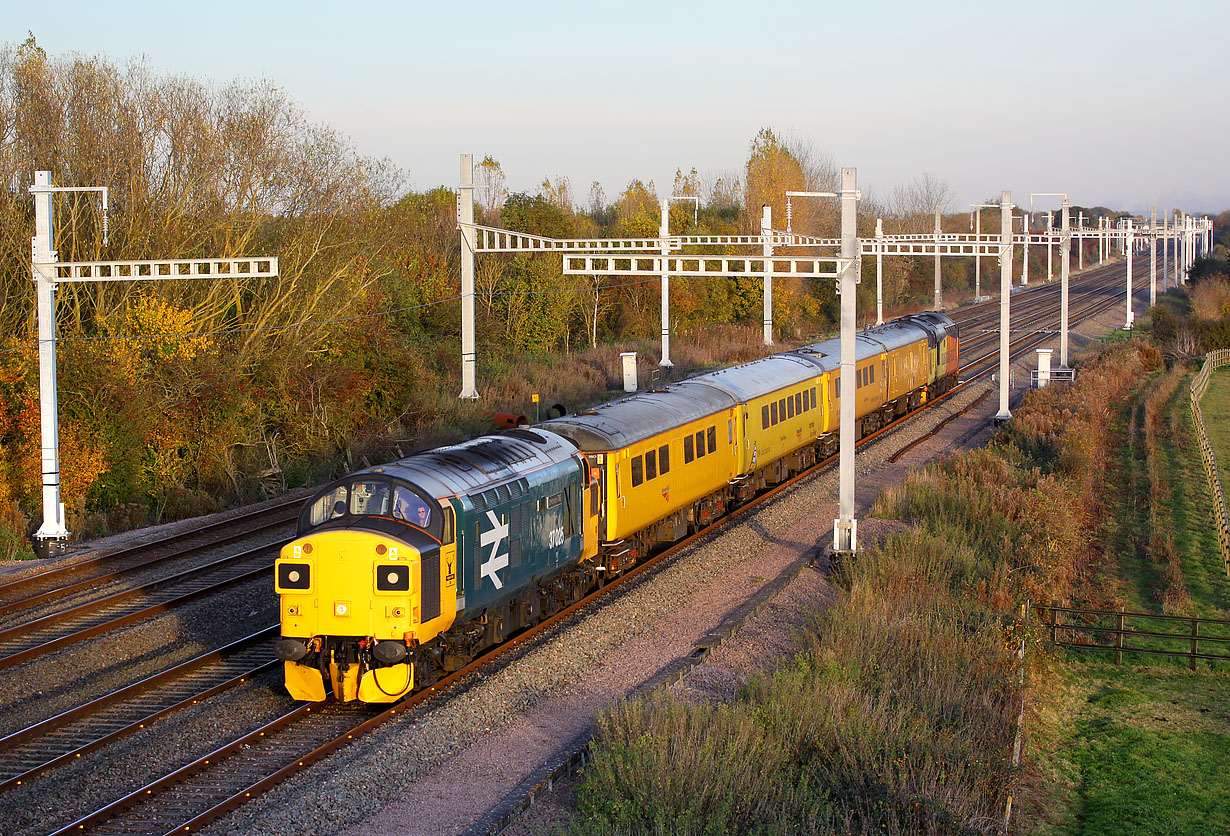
[393, 578]
[297, 576]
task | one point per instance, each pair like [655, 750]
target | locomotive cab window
[330, 506]
[369, 499]
[410, 507]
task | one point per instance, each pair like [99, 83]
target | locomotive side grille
[430, 568]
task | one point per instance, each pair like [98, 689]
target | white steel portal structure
[47, 271]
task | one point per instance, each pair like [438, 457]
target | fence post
[1195, 641]
[1120, 620]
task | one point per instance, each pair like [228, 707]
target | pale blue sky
[1119, 103]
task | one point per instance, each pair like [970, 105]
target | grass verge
[1142, 751]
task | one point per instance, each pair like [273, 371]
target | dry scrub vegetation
[898, 716]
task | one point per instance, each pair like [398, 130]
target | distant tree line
[178, 395]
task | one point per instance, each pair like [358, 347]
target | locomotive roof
[759, 377]
[637, 417]
[478, 464]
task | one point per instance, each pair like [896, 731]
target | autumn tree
[491, 185]
[638, 211]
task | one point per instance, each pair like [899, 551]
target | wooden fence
[1111, 630]
[1212, 360]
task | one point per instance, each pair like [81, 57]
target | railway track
[67, 736]
[62, 583]
[209, 787]
[32, 639]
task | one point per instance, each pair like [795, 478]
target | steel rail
[69, 589]
[97, 628]
[20, 763]
[9, 588]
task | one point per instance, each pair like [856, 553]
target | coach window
[789, 406]
[798, 403]
[688, 447]
[638, 472]
[700, 444]
[764, 417]
[773, 423]
[712, 434]
[651, 465]
[664, 459]
[837, 387]
[781, 410]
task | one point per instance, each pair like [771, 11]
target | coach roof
[621, 423]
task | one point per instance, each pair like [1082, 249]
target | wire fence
[1212, 360]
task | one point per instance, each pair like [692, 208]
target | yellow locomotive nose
[350, 602]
